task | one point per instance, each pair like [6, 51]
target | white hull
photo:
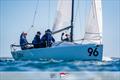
[76, 52]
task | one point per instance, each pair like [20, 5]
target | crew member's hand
[62, 34]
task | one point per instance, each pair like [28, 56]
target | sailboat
[90, 48]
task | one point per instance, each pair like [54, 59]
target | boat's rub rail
[14, 46]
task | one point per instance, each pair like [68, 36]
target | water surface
[7, 64]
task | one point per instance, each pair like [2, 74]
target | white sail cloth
[93, 31]
[63, 18]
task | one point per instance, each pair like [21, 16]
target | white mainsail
[63, 17]
[93, 31]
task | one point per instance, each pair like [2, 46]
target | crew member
[66, 38]
[36, 41]
[23, 41]
[47, 39]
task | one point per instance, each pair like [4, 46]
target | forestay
[93, 31]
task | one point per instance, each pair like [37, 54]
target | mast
[72, 17]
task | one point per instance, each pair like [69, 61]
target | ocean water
[108, 69]
[54, 65]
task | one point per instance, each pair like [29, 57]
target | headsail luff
[63, 18]
[93, 31]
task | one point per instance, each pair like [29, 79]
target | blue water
[53, 65]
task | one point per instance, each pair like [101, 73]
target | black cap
[38, 32]
[48, 30]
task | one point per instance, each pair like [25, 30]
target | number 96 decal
[93, 52]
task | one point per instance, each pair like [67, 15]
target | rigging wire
[34, 16]
[49, 13]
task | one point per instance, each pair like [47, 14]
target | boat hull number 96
[93, 52]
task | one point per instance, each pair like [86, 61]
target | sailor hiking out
[23, 41]
[37, 41]
[47, 39]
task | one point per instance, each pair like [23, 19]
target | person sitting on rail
[23, 41]
[37, 41]
[47, 39]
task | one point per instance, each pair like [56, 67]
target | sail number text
[93, 52]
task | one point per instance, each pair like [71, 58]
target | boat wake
[106, 58]
[108, 64]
